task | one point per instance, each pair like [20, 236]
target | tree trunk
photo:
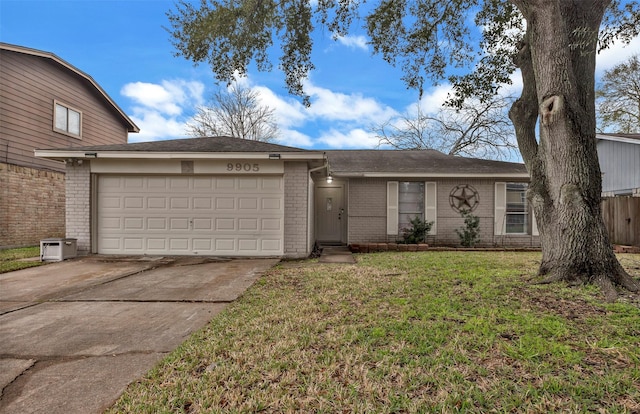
[557, 61]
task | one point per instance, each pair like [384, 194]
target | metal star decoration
[464, 197]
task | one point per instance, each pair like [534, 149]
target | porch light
[329, 179]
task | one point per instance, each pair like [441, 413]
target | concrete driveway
[74, 334]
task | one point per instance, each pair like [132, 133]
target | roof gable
[131, 126]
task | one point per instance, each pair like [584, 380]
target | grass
[11, 259]
[406, 332]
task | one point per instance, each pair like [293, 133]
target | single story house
[226, 196]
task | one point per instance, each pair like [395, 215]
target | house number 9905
[246, 167]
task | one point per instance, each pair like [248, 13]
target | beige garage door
[195, 215]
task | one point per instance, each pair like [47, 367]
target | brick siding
[368, 214]
[367, 210]
[296, 182]
[78, 217]
[32, 205]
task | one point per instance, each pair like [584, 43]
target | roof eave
[618, 139]
[428, 175]
[88, 154]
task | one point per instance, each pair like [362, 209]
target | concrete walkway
[74, 334]
[336, 254]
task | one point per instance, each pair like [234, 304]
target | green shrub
[417, 233]
[469, 234]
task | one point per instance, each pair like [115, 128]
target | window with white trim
[410, 202]
[67, 120]
[516, 213]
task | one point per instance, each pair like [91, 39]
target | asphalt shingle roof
[341, 162]
[353, 162]
[204, 144]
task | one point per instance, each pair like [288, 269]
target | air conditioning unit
[57, 249]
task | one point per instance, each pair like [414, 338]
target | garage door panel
[190, 215]
[202, 203]
[225, 203]
[180, 183]
[135, 244]
[136, 183]
[271, 184]
[156, 203]
[248, 203]
[202, 224]
[248, 224]
[156, 223]
[179, 203]
[133, 202]
[156, 245]
[202, 183]
[204, 245]
[225, 183]
[179, 245]
[133, 223]
[271, 204]
[247, 245]
[111, 223]
[271, 224]
[271, 245]
[225, 224]
[178, 223]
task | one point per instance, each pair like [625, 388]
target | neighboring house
[619, 156]
[231, 197]
[45, 102]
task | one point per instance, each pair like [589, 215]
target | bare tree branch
[235, 112]
[477, 129]
[618, 98]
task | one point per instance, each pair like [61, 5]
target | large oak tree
[553, 42]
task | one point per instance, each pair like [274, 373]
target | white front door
[190, 215]
[330, 214]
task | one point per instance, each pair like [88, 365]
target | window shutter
[500, 208]
[431, 206]
[392, 208]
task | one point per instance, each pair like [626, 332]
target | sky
[124, 46]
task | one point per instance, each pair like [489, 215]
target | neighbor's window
[517, 211]
[410, 202]
[67, 120]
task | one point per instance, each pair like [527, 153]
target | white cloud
[354, 42]
[155, 126]
[159, 109]
[295, 138]
[354, 138]
[432, 100]
[615, 55]
[163, 110]
[335, 106]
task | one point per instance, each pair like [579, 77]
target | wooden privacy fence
[622, 218]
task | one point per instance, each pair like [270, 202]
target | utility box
[58, 249]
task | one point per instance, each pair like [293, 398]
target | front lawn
[13, 259]
[407, 332]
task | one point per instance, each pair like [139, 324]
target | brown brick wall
[32, 205]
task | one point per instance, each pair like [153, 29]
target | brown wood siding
[28, 87]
